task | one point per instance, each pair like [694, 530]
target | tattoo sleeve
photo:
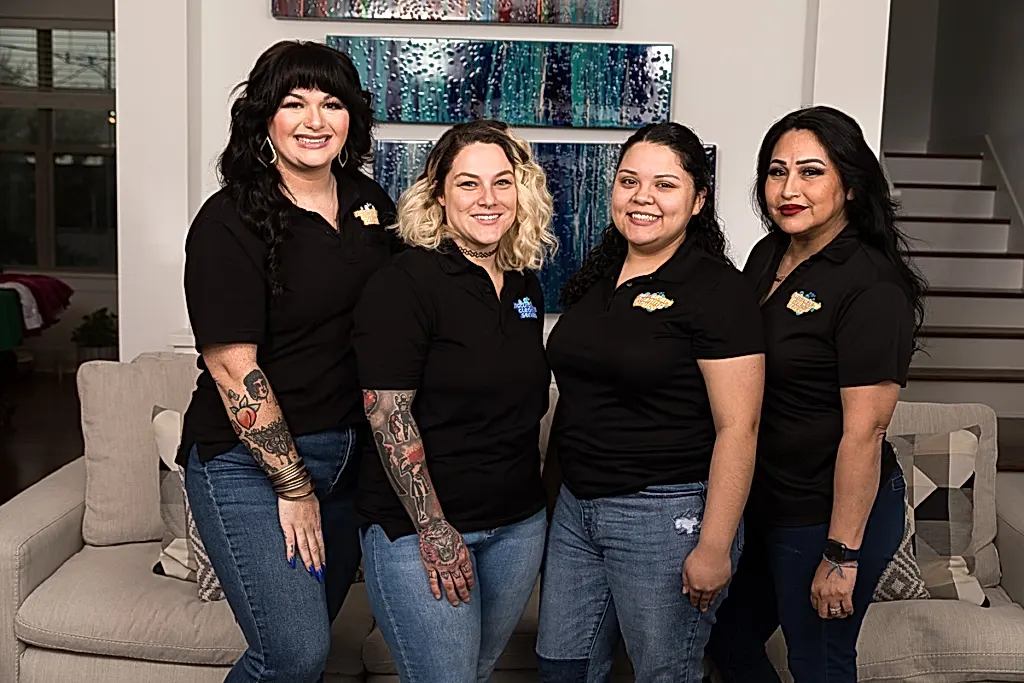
[257, 420]
[401, 451]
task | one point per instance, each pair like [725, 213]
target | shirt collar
[838, 250]
[451, 259]
[678, 265]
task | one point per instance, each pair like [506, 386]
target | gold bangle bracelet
[304, 495]
[287, 471]
[294, 486]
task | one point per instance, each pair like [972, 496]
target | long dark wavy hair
[254, 184]
[872, 209]
[703, 231]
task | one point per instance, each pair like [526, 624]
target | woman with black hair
[275, 262]
[658, 360]
[840, 306]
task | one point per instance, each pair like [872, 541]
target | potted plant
[96, 336]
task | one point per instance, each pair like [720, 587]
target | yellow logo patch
[652, 301]
[367, 213]
[803, 302]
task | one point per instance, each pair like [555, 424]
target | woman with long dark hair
[840, 306]
[275, 262]
[658, 360]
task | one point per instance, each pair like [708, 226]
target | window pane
[92, 127]
[18, 63]
[17, 209]
[83, 59]
[19, 126]
[84, 200]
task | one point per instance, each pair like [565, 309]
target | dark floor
[45, 433]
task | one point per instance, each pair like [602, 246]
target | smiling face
[480, 196]
[653, 197]
[803, 189]
[308, 130]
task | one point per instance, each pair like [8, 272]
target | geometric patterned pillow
[941, 492]
[182, 555]
[901, 579]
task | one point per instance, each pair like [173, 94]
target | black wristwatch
[839, 553]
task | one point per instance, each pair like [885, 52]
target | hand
[300, 522]
[833, 591]
[447, 561]
[705, 573]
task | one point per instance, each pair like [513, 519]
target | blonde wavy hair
[421, 218]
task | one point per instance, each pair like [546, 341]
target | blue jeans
[285, 613]
[617, 563]
[431, 641]
[772, 586]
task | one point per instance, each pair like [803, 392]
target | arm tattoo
[258, 422]
[401, 451]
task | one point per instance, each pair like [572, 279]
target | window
[58, 168]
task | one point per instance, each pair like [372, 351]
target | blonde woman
[450, 353]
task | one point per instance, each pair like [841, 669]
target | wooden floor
[45, 433]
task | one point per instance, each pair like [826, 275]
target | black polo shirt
[433, 322]
[633, 409]
[842, 318]
[303, 335]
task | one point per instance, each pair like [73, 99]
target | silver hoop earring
[273, 153]
[345, 150]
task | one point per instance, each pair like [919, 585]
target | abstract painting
[576, 12]
[524, 83]
[579, 175]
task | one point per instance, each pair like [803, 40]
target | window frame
[44, 99]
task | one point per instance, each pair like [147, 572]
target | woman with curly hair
[659, 363]
[449, 340]
[274, 264]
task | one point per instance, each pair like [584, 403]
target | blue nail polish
[319, 576]
[292, 562]
[310, 570]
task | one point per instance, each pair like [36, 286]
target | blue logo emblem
[525, 308]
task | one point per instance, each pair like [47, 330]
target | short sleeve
[391, 332]
[225, 290]
[874, 336]
[728, 322]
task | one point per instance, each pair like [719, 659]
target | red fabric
[52, 295]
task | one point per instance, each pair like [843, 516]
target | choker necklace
[475, 254]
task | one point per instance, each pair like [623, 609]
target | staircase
[973, 336]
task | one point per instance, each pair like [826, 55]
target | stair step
[941, 200]
[1000, 389]
[991, 237]
[964, 187]
[979, 220]
[932, 155]
[976, 292]
[971, 332]
[953, 269]
[1011, 375]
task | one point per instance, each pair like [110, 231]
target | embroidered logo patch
[367, 213]
[803, 302]
[525, 308]
[652, 301]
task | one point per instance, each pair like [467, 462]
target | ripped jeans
[616, 565]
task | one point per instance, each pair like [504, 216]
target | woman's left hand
[705, 573]
[832, 593]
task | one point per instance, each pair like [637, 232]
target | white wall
[910, 75]
[739, 65]
[979, 82]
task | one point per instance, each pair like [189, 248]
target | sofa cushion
[936, 418]
[935, 641]
[122, 489]
[107, 601]
[941, 472]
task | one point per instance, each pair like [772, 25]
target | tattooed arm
[400, 447]
[259, 423]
